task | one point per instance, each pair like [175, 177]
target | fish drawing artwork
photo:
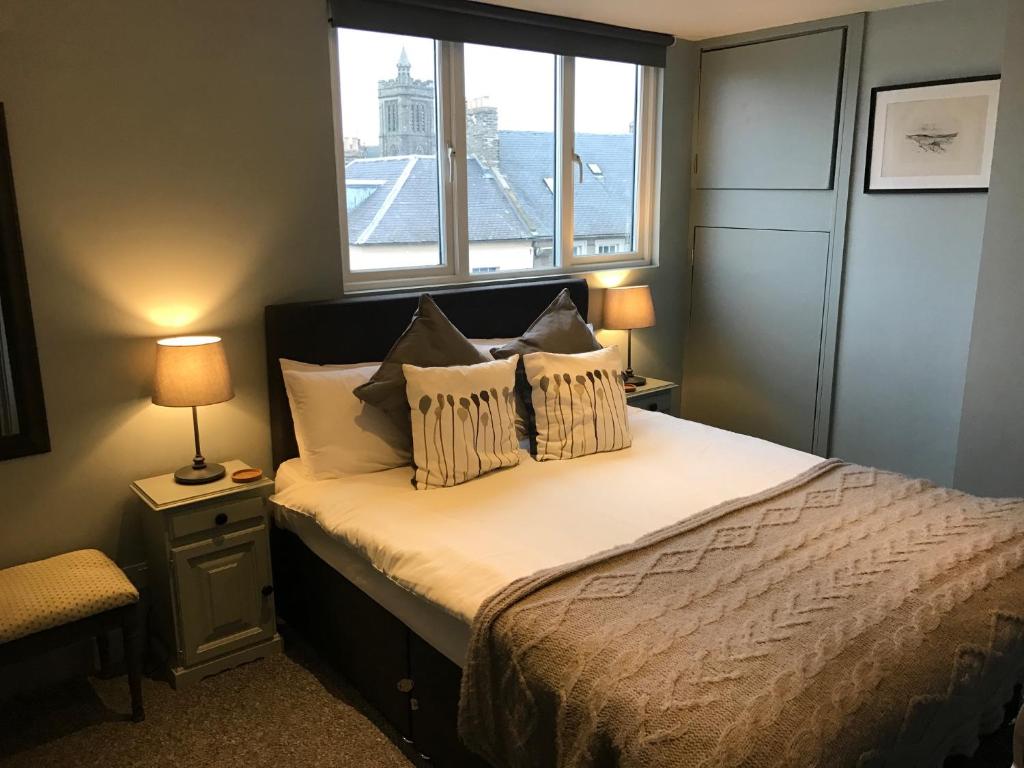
[931, 138]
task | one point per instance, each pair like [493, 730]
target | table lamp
[192, 371]
[625, 309]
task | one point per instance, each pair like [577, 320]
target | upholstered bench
[54, 602]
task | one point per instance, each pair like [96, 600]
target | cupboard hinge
[405, 685]
[695, 164]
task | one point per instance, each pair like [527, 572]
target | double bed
[389, 582]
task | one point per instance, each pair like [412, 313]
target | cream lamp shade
[190, 371]
[628, 308]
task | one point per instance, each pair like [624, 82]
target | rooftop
[394, 200]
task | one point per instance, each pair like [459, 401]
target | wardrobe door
[756, 327]
[771, 181]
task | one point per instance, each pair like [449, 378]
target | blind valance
[470, 22]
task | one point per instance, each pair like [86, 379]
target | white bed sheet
[456, 546]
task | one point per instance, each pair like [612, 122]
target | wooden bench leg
[133, 658]
[103, 651]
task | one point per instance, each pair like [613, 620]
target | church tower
[407, 125]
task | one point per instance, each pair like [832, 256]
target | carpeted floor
[288, 710]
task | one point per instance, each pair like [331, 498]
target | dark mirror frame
[34, 435]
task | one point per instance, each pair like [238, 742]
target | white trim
[451, 121]
[565, 168]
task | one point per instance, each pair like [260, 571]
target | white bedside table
[655, 395]
[209, 572]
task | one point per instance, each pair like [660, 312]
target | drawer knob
[221, 518]
[268, 590]
[652, 407]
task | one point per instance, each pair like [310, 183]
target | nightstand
[209, 572]
[655, 395]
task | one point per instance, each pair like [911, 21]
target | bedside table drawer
[209, 519]
[655, 401]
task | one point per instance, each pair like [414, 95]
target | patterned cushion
[59, 590]
[579, 403]
[463, 421]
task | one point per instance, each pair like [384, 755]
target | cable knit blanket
[850, 617]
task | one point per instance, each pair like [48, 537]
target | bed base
[411, 684]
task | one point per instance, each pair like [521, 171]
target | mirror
[23, 429]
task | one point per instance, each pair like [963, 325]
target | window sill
[354, 285]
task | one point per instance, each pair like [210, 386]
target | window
[605, 125]
[466, 160]
[510, 142]
[392, 184]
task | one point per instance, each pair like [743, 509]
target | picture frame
[935, 136]
[24, 429]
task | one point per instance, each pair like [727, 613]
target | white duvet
[456, 546]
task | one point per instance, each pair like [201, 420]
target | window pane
[605, 123]
[389, 126]
[510, 149]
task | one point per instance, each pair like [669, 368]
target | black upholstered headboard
[363, 328]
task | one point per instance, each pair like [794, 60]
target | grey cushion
[560, 328]
[430, 341]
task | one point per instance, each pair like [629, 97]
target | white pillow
[484, 346]
[463, 421]
[579, 403]
[295, 365]
[337, 433]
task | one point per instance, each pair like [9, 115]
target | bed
[390, 583]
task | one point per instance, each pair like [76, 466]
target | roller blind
[470, 22]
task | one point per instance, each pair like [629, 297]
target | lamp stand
[200, 472]
[628, 376]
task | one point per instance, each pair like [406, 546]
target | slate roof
[515, 204]
[603, 204]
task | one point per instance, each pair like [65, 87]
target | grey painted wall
[990, 460]
[911, 262]
[174, 164]
[174, 170]
[658, 351]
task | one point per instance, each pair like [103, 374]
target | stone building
[407, 125]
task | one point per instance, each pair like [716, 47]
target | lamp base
[628, 377]
[191, 475]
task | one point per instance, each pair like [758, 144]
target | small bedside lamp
[192, 371]
[625, 309]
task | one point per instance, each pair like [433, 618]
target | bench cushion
[59, 590]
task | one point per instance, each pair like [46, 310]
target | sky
[521, 84]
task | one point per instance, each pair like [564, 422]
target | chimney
[482, 132]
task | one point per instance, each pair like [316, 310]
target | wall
[658, 351]
[911, 262]
[990, 459]
[174, 170]
[174, 165]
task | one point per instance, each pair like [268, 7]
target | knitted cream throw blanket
[849, 617]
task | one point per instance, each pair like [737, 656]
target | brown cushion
[559, 328]
[430, 341]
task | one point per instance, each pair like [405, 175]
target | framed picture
[932, 137]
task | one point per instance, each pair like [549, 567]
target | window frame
[450, 113]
